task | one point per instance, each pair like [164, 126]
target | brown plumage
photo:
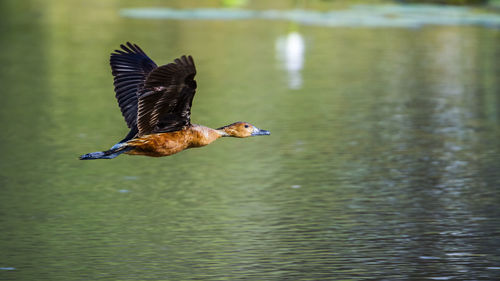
[156, 105]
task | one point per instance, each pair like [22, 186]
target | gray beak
[259, 132]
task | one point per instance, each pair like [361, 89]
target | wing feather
[130, 67]
[165, 103]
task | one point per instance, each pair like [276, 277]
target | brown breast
[165, 144]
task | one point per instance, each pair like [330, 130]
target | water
[382, 164]
[408, 16]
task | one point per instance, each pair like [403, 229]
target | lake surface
[383, 162]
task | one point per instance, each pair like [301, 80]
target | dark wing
[130, 67]
[165, 102]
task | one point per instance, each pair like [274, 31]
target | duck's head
[242, 130]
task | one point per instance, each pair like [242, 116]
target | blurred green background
[382, 164]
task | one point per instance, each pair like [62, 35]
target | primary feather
[130, 67]
[153, 99]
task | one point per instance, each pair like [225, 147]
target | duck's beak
[260, 132]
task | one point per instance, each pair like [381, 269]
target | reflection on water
[407, 16]
[290, 52]
[383, 163]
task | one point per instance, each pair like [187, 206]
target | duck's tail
[116, 150]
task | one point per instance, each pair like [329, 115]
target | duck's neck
[225, 131]
[202, 135]
[222, 132]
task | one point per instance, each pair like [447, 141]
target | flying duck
[156, 105]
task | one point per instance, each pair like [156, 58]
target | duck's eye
[246, 125]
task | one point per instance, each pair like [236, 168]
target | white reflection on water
[290, 53]
[405, 16]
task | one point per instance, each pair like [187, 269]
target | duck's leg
[116, 150]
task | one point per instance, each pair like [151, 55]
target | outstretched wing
[130, 67]
[165, 102]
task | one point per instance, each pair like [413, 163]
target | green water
[383, 162]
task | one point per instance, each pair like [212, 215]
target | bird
[155, 102]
